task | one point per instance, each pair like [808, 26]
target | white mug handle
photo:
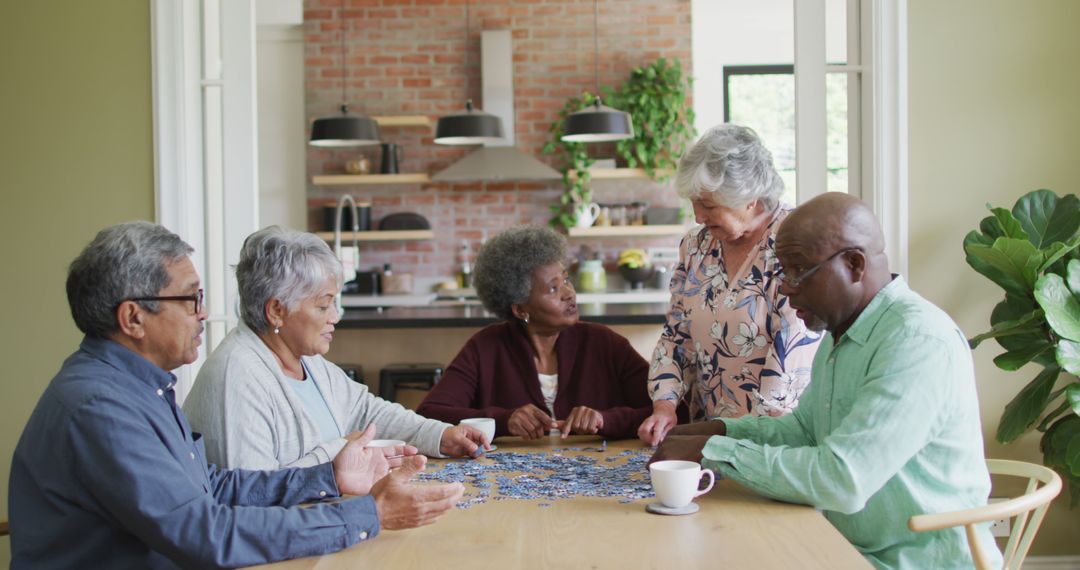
[594, 210]
[712, 481]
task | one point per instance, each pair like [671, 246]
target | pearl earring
[526, 319]
[277, 330]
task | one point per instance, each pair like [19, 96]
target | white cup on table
[486, 426]
[385, 443]
[677, 482]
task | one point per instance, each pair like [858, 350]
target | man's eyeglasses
[197, 299]
[796, 280]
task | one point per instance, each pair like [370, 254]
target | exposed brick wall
[408, 57]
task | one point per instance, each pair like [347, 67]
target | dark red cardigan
[494, 374]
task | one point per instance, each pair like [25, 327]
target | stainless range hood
[499, 161]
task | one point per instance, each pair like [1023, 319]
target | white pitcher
[585, 214]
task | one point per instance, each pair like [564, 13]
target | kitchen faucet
[337, 238]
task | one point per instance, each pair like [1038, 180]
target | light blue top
[315, 405]
[889, 428]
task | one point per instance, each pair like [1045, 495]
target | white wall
[282, 184]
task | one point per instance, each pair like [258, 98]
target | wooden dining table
[734, 528]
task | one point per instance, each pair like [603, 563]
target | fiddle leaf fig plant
[656, 96]
[1033, 253]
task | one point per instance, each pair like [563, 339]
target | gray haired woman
[732, 344]
[267, 399]
[541, 368]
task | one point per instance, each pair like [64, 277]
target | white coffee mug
[385, 443]
[676, 482]
[485, 425]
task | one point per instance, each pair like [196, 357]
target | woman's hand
[583, 420]
[655, 427]
[530, 422]
[462, 441]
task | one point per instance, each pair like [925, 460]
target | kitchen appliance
[366, 283]
[392, 155]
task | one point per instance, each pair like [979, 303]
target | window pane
[766, 103]
[836, 131]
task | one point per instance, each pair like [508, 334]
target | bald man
[889, 427]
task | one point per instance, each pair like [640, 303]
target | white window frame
[880, 57]
[205, 143]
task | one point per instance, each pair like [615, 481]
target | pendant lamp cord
[344, 74]
[596, 47]
[468, 100]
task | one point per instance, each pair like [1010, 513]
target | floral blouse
[731, 349]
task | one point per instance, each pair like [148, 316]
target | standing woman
[732, 344]
[267, 399]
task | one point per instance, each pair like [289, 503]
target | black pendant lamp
[597, 122]
[344, 130]
[472, 126]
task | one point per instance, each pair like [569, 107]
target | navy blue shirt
[108, 473]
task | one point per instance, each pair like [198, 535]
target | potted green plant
[656, 96]
[1032, 253]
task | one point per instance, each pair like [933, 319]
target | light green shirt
[889, 428]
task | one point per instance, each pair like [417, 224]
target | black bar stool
[418, 376]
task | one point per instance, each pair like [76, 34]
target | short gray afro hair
[122, 262]
[282, 264]
[503, 274]
[730, 163]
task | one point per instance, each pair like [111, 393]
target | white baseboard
[1052, 563]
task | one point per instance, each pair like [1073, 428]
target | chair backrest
[1043, 485]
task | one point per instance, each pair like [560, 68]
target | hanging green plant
[656, 96]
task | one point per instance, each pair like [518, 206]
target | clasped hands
[530, 422]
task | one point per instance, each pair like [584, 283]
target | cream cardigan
[251, 418]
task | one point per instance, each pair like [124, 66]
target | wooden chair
[1028, 509]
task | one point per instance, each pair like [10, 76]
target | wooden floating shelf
[363, 179]
[403, 121]
[618, 174]
[390, 235]
[621, 231]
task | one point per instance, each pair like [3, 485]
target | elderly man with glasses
[889, 427]
[108, 473]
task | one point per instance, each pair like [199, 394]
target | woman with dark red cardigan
[542, 368]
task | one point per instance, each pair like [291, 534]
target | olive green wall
[993, 114]
[75, 156]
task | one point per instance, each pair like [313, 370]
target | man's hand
[655, 427]
[710, 427]
[530, 422]
[685, 447]
[582, 420]
[357, 468]
[462, 441]
[401, 505]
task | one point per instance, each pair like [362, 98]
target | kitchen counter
[434, 316]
